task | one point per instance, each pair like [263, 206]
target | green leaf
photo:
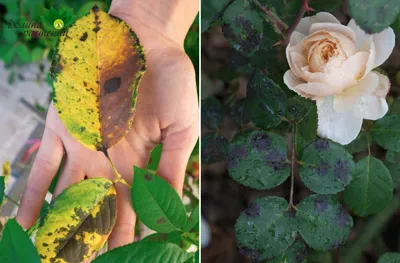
[193, 220]
[23, 53]
[37, 53]
[9, 35]
[386, 132]
[371, 189]
[390, 258]
[374, 15]
[15, 245]
[307, 127]
[212, 112]
[326, 167]
[155, 157]
[210, 11]
[395, 108]
[173, 237]
[265, 229]
[325, 5]
[266, 102]
[258, 159]
[323, 223]
[298, 108]
[296, 253]
[7, 53]
[145, 252]
[156, 203]
[214, 148]
[359, 144]
[226, 74]
[238, 112]
[2, 189]
[392, 162]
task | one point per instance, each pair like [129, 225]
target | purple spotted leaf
[326, 167]
[264, 229]
[258, 159]
[323, 223]
[214, 148]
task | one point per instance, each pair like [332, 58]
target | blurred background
[223, 199]
[26, 91]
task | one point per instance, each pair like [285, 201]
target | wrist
[159, 22]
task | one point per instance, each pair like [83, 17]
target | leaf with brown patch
[96, 69]
[78, 222]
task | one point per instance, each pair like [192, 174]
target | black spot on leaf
[148, 177]
[323, 169]
[341, 170]
[252, 253]
[276, 160]
[335, 244]
[112, 85]
[95, 8]
[253, 210]
[261, 141]
[84, 36]
[75, 59]
[321, 144]
[85, 83]
[321, 203]
[342, 218]
[96, 29]
[161, 220]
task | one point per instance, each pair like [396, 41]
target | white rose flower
[332, 64]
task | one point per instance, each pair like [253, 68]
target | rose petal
[306, 22]
[369, 46]
[342, 128]
[296, 61]
[347, 99]
[296, 37]
[384, 44]
[292, 81]
[361, 36]
[312, 89]
[333, 27]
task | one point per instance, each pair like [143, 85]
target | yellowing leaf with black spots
[78, 222]
[96, 69]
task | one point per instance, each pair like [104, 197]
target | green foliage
[144, 252]
[2, 188]
[326, 167]
[386, 132]
[296, 253]
[323, 223]
[238, 112]
[371, 189]
[265, 229]
[266, 102]
[212, 112]
[390, 258]
[214, 148]
[374, 15]
[392, 162]
[359, 144]
[325, 5]
[155, 157]
[16, 246]
[258, 159]
[210, 11]
[193, 220]
[156, 203]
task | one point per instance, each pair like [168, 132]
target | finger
[71, 173]
[177, 147]
[42, 173]
[124, 230]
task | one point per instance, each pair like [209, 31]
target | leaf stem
[293, 167]
[274, 18]
[11, 200]
[118, 178]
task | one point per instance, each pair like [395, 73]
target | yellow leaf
[6, 171]
[78, 222]
[96, 69]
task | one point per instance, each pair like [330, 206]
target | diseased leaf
[96, 69]
[323, 223]
[238, 112]
[78, 222]
[155, 157]
[266, 102]
[16, 246]
[307, 127]
[371, 189]
[145, 252]
[258, 159]
[374, 15]
[326, 167]
[210, 11]
[265, 229]
[359, 144]
[386, 132]
[296, 253]
[156, 203]
[298, 108]
[390, 258]
[212, 112]
[214, 148]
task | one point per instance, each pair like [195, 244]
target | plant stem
[11, 200]
[292, 27]
[274, 18]
[118, 176]
[354, 250]
[293, 166]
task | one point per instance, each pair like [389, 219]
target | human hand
[167, 112]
